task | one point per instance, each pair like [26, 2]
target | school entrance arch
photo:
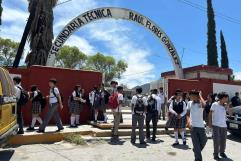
[115, 13]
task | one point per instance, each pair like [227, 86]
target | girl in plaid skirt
[76, 106]
[178, 110]
[35, 95]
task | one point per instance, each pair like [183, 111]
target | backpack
[139, 106]
[24, 97]
[55, 95]
[106, 96]
[152, 104]
[97, 99]
[113, 101]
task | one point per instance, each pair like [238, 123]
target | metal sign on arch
[115, 13]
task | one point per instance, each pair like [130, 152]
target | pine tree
[224, 53]
[212, 53]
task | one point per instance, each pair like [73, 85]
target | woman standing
[76, 106]
[178, 108]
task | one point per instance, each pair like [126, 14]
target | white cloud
[237, 75]
[82, 44]
[14, 15]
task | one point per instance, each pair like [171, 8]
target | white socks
[72, 120]
[183, 136]
[176, 136]
[34, 119]
[77, 117]
[96, 115]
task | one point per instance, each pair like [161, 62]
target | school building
[208, 79]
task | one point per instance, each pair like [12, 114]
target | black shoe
[20, 132]
[184, 142]
[216, 158]
[60, 129]
[166, 128]
[143, 143]
[133, 142]
[223, 155]
[95, 121]
[164, 119]
[73, 126]
[153, 139]
[77, 124]
[175, 144]
[30, 129]
[40, 131]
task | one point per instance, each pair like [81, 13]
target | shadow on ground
[6, 155]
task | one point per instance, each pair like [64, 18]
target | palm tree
[41, 31]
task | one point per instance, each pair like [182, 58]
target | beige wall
[213, 75]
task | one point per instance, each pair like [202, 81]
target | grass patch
[75, 139]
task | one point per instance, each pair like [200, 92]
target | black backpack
[139, 106]
[41, 99]
[97, 99]
[24, 97]
[55, 95]
[152, 104]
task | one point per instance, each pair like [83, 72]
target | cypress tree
[224, 53]
[212, 53]
[1, 9]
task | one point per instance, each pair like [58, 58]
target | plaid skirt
[76, 107]
[36, 108]
[174, 122]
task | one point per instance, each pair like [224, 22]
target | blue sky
[147, 58]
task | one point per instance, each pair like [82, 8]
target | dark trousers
[52, 112]
[136, 118]
[151, 116]
[199, 140]
[219, 139]
[20, 117]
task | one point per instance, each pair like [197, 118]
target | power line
[60, 3]
[218, 14]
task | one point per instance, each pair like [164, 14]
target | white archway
[115, 13]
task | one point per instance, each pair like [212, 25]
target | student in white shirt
[117, 113]
[217, 121]
[153, 111]
[178, 109]
[198, 135]
[18, 88]
[76, 106]
[54, 102]
[163, 103]
[138, 105]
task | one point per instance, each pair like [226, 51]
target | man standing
[153, 111]
[236, 100]
[54, 101]
[198, 135]
[163, 101]
[18, 88]
[117, 114]
[138, 105]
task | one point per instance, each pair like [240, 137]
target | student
[206, 112]
[95, 99]
[17, 82]
[35, 97]
[114, 85]
[105, 95]
[198, 135]
[163, 100]
[117, 114]
[138, 106]
[236, 100]
[178, 109]
[217, 120]
[76, 106]
[153, 111]
[54, 101]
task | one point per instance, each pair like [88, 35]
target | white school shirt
[218, 115]
[174, 112]
[120, 98]
[52, 97]
[196, 114]
[18, 91]
[162, 97]
[134, 99]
